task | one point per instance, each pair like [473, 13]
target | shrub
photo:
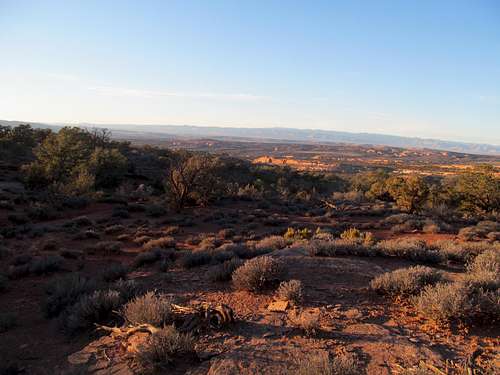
[47, 264]
[324, 364]
[493, 236]
[405, 281]
[337, 247]
[150, 308]
[196, 258]
[163, 242]
[469, 233]
[431, 228]
[415, 250]
[224, 271]
[92, 308]
[258, 273]
[114, 272]
[147, 257]
[292, 291]
[464, 301]
[80, 221]
[64, 292]
[106, 247]
[113, 229]
[308, 321]
[271, 243]
[209, 243]
[226, 233]
[463, 251]
[163, 348]
[8, 320]
[486, 262]
[297, 234]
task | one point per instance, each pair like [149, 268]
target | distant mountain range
[280, 134]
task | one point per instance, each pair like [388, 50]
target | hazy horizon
[427, 70]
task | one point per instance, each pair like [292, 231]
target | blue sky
[415, 68]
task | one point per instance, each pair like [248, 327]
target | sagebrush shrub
[258, 273]
[162, 242]
[271, 243]
[486, 262]
[106, 247]
[405, 281]
[64, 292]
[150, 308]
[416, 250]
[196, 258]
[224, 271]
[47, 264]
[163, 348]
[325, 364]
[97, 307]
[464, 301]
[291, 291]
[114, 272]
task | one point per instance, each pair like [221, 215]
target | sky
[412, 68]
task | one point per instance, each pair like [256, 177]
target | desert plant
[291, 291]
[325, 364]
[147, 257]
[308, 321]
[96, 307]
[162, 242]
[47, 264]
[271, 243]
[464, 301]
[297, 234]
[106, 247]
[64, 292]
[405, 281]
[464, 251]
[114, 272]
[224, 271]
[163, 348]
[416, 250]
[196, 258]
[258, 273]
[487, 262]
[151, 308]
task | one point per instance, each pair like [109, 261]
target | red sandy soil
[383, 334]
